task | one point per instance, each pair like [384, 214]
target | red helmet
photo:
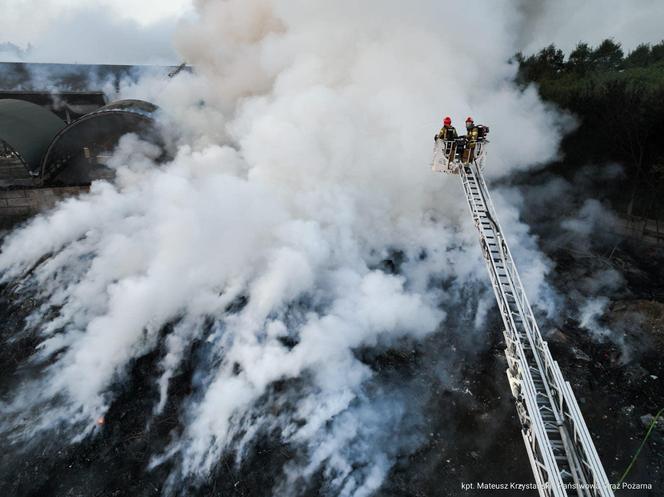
[469, 120]
[447, 121]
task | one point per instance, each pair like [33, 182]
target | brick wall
[19, 205]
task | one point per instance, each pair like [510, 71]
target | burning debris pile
[290, 305]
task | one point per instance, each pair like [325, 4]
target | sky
[144, 12]
[83, 31]
[566, 22]
[141, 32]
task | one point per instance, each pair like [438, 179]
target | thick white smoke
[302, 161]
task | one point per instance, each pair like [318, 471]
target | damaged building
[54, 144]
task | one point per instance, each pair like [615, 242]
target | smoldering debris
[232, 316]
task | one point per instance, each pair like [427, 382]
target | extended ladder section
[561, 451]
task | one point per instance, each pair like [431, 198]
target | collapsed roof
[56, 153]
[28, 129]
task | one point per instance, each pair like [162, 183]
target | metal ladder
[561, 452]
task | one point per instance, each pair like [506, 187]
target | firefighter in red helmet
[447, 132]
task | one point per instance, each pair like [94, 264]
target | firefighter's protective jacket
[447, 133]
[471, 136]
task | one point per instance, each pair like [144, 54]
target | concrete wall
[19, 205]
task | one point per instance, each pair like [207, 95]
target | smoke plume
[301, 165]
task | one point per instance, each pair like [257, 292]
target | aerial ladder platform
[561, 451]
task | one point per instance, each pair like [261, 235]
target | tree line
[619, 100]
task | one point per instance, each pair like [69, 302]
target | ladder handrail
[568, 464]
[599, 477]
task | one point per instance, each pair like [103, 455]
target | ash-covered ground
[295, 305]
[459, 424]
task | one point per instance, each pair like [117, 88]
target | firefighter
[448, 134]
[473, 135]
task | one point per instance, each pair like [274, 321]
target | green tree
[657, 52]
[548, 62]
[608, 55]
[579, 59]
[551, 59]
[639, 57]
